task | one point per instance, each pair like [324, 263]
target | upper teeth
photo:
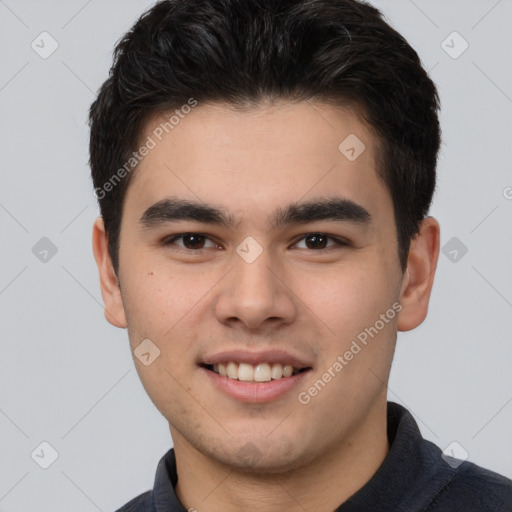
[263, 372]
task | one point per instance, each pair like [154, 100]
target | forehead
[258, 158]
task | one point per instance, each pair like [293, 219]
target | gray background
[67, 376]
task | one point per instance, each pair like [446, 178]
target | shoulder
[141, 503]
[475, 488]
[162, 496]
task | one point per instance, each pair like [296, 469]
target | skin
[313, 301]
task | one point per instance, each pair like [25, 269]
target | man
[264, 171]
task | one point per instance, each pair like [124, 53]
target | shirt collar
[412, 469]
[412, 472]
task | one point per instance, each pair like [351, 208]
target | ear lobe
[419, 275]
[110, 291]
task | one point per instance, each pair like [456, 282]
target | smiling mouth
[263, 372]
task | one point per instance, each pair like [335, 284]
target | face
[251, 238]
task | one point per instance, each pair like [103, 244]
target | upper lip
[267, 356]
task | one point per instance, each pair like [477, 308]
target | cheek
[157, 297]
[167, 306]
[162, 384]
[346, 300]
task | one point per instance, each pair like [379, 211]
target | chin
[261, 456]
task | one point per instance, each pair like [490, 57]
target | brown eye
[318, 241]
[193, 241]
[190, 241]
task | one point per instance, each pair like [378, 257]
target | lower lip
[255, 392]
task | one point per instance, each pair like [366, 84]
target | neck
[206, 485]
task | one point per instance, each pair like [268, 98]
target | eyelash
[338, 242]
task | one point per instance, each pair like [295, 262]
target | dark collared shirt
[414, 477]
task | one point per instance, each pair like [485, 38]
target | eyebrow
[325, 209]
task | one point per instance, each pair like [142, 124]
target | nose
[256, 294]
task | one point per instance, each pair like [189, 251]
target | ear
[110, 291]
[419, 275]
